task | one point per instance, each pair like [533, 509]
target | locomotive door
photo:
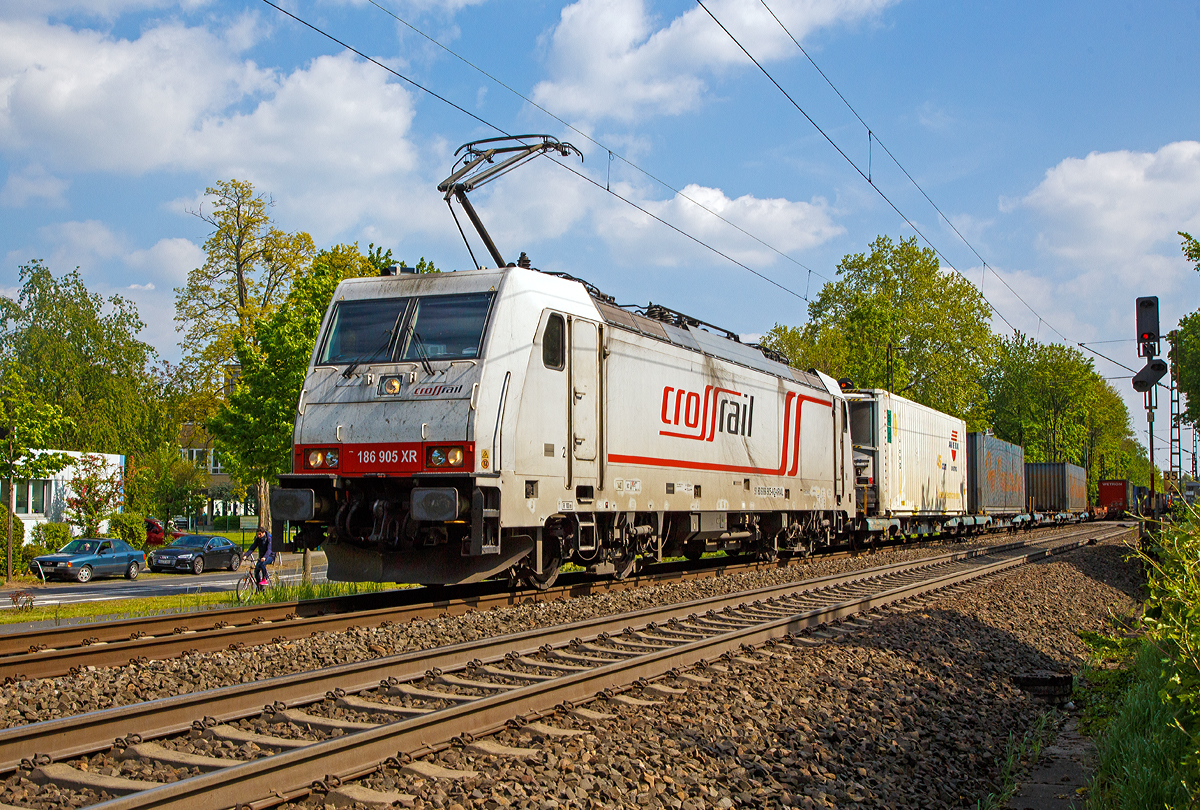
[584, 395]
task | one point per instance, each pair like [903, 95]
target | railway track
[53, 652]
[340, 723]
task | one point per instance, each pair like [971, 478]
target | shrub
[18, 528]
[50, 535]
[129, 526]
[23, 557]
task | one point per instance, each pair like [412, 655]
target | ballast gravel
[47, 698]
[911, 709]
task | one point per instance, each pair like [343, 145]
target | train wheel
[693, 549]
[625, 566]
[551, 563]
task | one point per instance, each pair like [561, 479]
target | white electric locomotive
[454, 426]
[459, 426]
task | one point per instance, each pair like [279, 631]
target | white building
[45, 499]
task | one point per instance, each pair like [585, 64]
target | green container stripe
[889, 426]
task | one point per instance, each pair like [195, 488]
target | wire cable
[841, 152]
[624, 199]
[590, 139]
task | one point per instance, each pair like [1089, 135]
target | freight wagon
[910, 465]
[996, 481]
[1056, 489]
[1118, 496]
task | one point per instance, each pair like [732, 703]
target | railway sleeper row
[274, 755]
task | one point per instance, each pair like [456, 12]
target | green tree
[248, 269]
[81, 352]
[96, 492]
[1185, 345]
[936, 323]
[253, 430]
[163, 483]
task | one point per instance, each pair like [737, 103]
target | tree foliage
[253, 430]
[936, 323]
[248, 269]
[96, 492]
[1185, 349]
[32, 424]
[163, 483]
[80, 353]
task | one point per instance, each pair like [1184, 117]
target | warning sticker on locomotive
[632, 486]
[566, 506]
[769, 492]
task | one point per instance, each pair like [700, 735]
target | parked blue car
[85, 558]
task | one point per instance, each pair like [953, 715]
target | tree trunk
[307, 566]
[263, 490]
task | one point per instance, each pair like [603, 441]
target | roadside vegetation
[1141, 695]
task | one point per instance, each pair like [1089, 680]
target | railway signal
[1146, 379]
[1147, 326]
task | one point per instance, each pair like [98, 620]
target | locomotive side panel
[678, 421]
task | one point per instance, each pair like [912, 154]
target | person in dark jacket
[266, 554]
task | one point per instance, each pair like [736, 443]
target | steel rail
[103, 644]
[83, 734]
[289, 775]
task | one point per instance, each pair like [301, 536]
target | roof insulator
[523, 261]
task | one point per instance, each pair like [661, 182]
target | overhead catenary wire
[612, 155]
[481, 120]
[872, 138]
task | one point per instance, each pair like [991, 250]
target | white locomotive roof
[577, 297]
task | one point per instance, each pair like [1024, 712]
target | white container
[915, 456]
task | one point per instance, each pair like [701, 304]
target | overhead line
[872, 134]
[624, 199]
[592, 140]
[840, 151]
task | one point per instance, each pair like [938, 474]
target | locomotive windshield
[362, 331]
[446, 327]
[436, 327]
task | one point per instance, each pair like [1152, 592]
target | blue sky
[1061, 139]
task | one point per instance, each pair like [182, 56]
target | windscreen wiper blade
[358, 361]
[425, 364]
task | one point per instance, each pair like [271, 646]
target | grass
[1020, 754]
[1142, 745]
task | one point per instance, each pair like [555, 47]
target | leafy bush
[23, 557]
[18, 528]
[50, 535]
[129, 526]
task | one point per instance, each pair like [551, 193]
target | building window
[39, 490]
[22, 497]
[217, 468]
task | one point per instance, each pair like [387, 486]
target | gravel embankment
[911, 712]
[47, 698]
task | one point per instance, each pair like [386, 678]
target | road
[167, 584]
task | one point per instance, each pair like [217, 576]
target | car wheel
[84, 574]
[132, 571]
[236, 562]
[198, 565]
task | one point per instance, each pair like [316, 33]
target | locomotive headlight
[331, 458]
[391, 386]
[437, 457]
[315, 457]
[454, 456]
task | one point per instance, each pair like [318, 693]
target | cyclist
[266, 555]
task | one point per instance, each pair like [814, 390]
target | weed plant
[1149, 716]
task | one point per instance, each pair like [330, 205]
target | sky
[1061, 141]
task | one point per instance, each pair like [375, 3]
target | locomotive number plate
[397, 457]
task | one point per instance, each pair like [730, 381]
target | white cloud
[81, 244]
[141, 287]
[612, 58]
[32, 183]
[786, 225]
[168, 262]
[1116, 206]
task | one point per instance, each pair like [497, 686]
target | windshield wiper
[374, 356]
[425, 364]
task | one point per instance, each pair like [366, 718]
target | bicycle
[248, 587]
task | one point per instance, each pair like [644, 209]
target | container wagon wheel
[693, 548]
[551, 563]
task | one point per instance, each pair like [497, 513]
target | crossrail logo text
[435, 390]
[701, 416]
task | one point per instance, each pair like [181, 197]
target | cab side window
[554, 344]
